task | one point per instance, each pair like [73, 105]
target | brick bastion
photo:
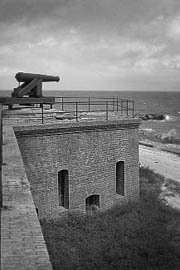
[49, 170]
[75, 165]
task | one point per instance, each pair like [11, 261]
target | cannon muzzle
[28, 77]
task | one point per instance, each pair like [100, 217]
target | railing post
[76, 111]
[107, 110]
[127, 108]
[113, 104]
[62, 104]
[133, 108]
[121, 106]
[42, 113]
[1, 157]
[89, 104]
[117, 105]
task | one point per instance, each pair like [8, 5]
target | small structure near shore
[81, 165]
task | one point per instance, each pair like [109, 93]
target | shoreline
[166, 142]
[168, 148]
[163, 159]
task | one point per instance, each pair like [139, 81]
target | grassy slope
[138, 236]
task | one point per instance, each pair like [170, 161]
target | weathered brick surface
[89, 152]
[22, 243]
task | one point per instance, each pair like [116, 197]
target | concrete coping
[76, 127]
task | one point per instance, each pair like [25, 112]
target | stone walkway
[22, 243]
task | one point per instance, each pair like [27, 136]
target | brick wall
[89, 151]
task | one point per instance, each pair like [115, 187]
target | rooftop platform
[72, 109]
[26, 100]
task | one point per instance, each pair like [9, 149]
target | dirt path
[166, 164]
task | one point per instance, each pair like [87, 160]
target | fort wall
[90, 153]
[22, 243]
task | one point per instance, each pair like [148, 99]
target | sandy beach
[166, 164]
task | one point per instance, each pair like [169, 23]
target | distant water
[167, 103]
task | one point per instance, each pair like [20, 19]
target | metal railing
[107, 105]
[78, 107]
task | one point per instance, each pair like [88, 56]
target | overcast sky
[92, 44]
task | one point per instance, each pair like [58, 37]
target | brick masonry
[89, 151]
[22, 243]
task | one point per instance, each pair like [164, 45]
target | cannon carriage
[29, 90]
[31, 84]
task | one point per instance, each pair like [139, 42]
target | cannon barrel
[27, 77]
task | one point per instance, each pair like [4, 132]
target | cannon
[27, 77]
[31, 84]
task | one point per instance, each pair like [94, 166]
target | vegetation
[173, 186]
[165, 138]
[142, 235]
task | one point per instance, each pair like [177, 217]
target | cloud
[174, 28]
[83, 12]
[48, 42]
[15, 10]
[89, 43]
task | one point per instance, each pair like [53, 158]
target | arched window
[63, 188]
[120, 178]
[92, 202]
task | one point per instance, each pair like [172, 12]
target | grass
[173, 186]
[140, 235]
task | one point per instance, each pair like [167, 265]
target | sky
[92, 44]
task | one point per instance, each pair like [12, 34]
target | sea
[154, 102]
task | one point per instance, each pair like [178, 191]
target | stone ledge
[22, 243]
[49, 129]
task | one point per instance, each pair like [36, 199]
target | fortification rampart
[72, 166]
[22, 243]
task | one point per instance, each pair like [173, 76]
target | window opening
[92, 203]
[63, 188]
[120, 178]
